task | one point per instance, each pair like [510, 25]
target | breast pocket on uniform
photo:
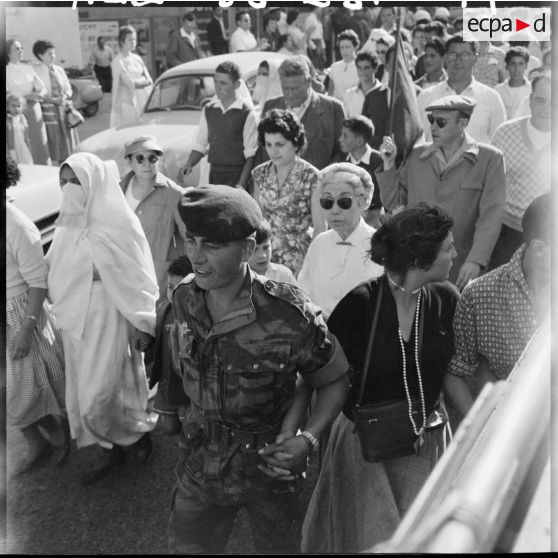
[255, 376]
[471, 185]
[188, 359]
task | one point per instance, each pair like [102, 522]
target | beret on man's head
[219, 213]
[454, 102]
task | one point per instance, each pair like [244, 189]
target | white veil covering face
[97, 228]
[270, 87]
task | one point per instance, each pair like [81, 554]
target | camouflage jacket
[241, 372]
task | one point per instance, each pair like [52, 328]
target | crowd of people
[316, 276]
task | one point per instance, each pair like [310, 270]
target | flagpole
[393, 76]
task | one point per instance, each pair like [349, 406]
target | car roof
[246, 61]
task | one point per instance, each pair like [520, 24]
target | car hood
[174, 131]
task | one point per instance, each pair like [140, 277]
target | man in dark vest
[227, 132]
[322, 116]
[184, 45]
[216, 33]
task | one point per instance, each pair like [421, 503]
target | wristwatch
[311, 440]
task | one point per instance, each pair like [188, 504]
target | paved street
[99, 122]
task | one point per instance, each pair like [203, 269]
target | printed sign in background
[517, 23]
[90, 30]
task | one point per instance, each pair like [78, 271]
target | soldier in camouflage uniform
[239, 341]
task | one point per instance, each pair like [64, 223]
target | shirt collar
[514, 267]
[302, 108]
[469, 147]
[472, 86]
[364, 159]
[216, 102]
[191, 35]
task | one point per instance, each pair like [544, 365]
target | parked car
[173, 111]
[38, 195]
[86, 90]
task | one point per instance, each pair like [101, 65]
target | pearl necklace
[416, 430]
[400, 288]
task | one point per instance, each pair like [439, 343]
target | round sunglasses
[440, 122]
[141, 158]
[343, 203]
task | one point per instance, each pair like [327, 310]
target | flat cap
[454, 102]
[142, 143]
[219, 213]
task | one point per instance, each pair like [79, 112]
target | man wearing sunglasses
[153, 197]
[463, 176]
[461, 58]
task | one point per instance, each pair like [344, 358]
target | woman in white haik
[337, 260]
[103, 288]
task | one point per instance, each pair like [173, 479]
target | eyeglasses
[141, 158]
[465, 56]
[343, 203]
[440, 122]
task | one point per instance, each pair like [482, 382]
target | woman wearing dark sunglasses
[410, 352]
[154, 199]
[337, 260]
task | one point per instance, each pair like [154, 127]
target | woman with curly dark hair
[285, 188]
[34, 355]
[410, 352]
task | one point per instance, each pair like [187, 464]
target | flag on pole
[404, 117]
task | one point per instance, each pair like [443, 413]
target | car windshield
[181, 92]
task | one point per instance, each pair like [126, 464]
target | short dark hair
[229, 68]
[189, 16]
[436, 27]
[181, 266]
[410, 238]
[263, 232]
[536, 219]
[292, 15]
[40, 47]
[240, 15]
[284, 122]
[436, 44]
[12, 174]
[360, 125]
[458, 39]
[348, 35]
[370, 56]
[517, 51]
[272, 16]
[124, 32]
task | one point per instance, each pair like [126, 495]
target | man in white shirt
[517, 86]
[461, 57]
[243, 40]
[366, 64]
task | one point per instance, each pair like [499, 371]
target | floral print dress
[287, 208]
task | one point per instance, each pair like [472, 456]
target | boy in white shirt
[517, 86]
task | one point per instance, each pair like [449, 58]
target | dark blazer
[217, 42]
[376, 108]
[322, 121]
[180, 50]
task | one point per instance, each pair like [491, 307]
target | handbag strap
[370, 342]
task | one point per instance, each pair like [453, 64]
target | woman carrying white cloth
[103, 288]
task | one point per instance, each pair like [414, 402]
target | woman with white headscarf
[103, 288]
[268, 84]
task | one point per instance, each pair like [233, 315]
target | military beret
[454, 102]
[142, 143]
[219, 213]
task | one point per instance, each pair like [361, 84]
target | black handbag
[384, 429]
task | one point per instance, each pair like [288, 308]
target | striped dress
[34, 383]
